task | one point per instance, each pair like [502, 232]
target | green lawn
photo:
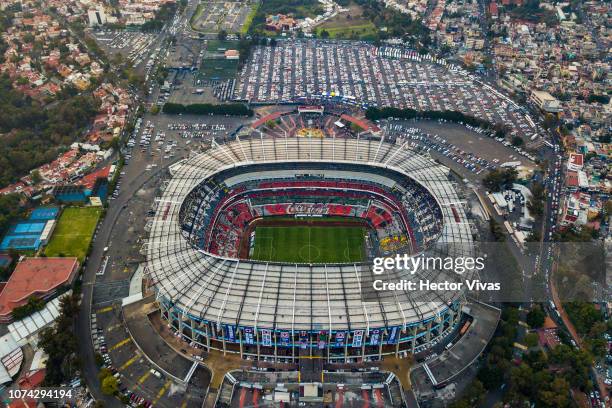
[363, 31]
[244, 30]
[221, 45]
[309, 244]
[73, 232]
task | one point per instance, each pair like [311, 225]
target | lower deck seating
[219, 216]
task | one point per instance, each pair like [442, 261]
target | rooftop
[35, 276]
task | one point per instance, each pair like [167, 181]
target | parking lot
[360, 73]
[185, 53]
[133, 45]
[138, 380]
[463, 148]
[212, 17]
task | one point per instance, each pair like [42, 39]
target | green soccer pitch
[309, 244]
[73, 232]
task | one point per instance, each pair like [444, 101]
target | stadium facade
[211, 293]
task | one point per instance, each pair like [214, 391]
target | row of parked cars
[428, 142]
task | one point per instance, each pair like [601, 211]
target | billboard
[374, 337]
[248, 336]
[357, 338]
[229, 332]
[266, 337]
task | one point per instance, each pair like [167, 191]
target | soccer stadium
[263, 245]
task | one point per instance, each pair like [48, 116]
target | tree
[110, 385]
[69, 305]
[531, 339]
[98, 359]
[10, 209]
[36, 177]
[104, 372]
[498, 179]
[534, 236]
[324, 34]
[536, 202]
[34, 304]
[597, 347]
[33, 133]
[496, 230]
[222, 35]
[583, 315]
[556, 394]
[60, 343]
[550, 121]
[535, 317]
[517, 141]
[607, 210]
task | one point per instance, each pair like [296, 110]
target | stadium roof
[292, 296]
[35, 277]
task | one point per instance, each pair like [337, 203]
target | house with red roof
[29, 381]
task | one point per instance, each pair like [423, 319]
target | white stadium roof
[291, 296]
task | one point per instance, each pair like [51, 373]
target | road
[135, 178]
[94, 261]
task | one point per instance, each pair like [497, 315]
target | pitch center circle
[309, 253]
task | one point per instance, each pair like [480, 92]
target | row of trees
[34, 304]
[233, 109]
[60, 343]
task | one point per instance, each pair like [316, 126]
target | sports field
[73, 232]
[309, 244]
[217, 68]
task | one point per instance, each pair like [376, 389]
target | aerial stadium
[263, 245]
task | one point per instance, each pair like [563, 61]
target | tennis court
[44, 213]
[29, 227]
